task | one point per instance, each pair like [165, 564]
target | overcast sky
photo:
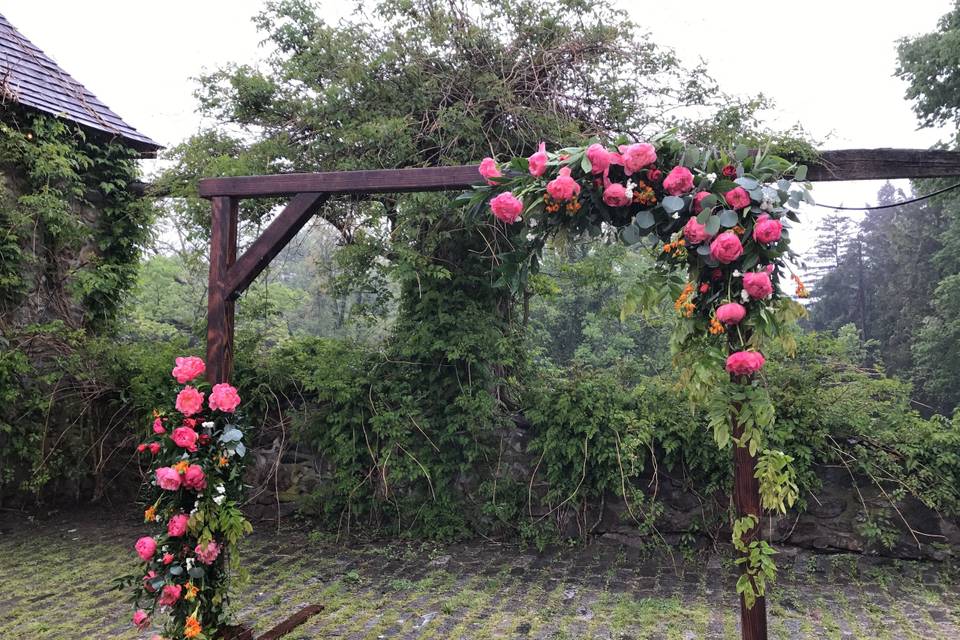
[827, 63]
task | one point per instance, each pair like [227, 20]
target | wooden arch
[230, 275]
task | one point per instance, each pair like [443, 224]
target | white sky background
[828, 64]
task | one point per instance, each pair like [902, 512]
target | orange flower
[681, 302]
[715, 327]
[181, 467]
[191, 592]
[150, 514]
[223, 461]
[801, 288]
[738, 230]
[192, 629]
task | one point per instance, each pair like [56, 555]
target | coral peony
[168, 479]
[224, 398]
[177, 525]
[698, 200]
[615, 195]
[729, 171]
[506, 207]
[189, 401]
[654, 174]
[737, 198]
[731, 313]
[726, 247]
[169, 595]
[141, 620]
[563, 187]
[637, 156]
[188, 368]
[488, 169]
[599, 158]
[208, 554]
[678, 182]
[744, 363]
[185, 438]
[757, 284]
[167, 558]
[146, 547]
[538, 161]
[694, 232]
[154, 448]
[194, 478]
[158, 426]
[767, 230]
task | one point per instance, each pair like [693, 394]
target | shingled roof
[30, 78]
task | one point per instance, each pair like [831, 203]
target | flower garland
[724, 219]
[196, 465]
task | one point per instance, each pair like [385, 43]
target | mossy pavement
[56, 578]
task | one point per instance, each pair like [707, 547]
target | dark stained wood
[234, 632]
[881, 164]
[276, 236]
[350, 182]
[746, 501]
[220, 309]
[292, 622]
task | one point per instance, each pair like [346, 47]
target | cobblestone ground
[55, 581]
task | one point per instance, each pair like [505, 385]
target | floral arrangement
[196, 459]
[722, 219]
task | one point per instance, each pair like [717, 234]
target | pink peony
[185, 438]
[506, 207]
[141, 620]
[737, 198]
[599, 158]
[189, 401]
[188, 368]
[146, 581]
[168, 479]
[177, 525]
[694, 232]
[154, 448]
[698, 199]
[678, 182]
[637, 156]
[146, 547]
[208, 554]
[757, 285]
[224, 398]
[615, 195]
[488, 169]
[726, 247]
[538, 161]
[158, 426]
[169, 595]
[563, 188]
[744, 363]
[767, 230]
[193, 478]
[731, 313]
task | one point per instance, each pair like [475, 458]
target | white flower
[744, 296]
[221, 489]
[189, 563]
[712, 177]
[630, 187]
[219, 499]
[736, 273]
[207, 425]
[533, 222]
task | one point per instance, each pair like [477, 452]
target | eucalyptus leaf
[741, 152]
[176, 570]
[231, 435]
[747, 183]
[196, 572]
[630, 234]
[240, 449]
[703, 249]
[713, 225]
[691, 157]
[801, 173]
[672, 204]
[729, 218]
[703, 216]
[710, 201]
[585, 164]
[645, 220]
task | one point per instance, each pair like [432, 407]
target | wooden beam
[337, 182]
[883, 164]
[842, 164]
[220, 309]
[276, 236]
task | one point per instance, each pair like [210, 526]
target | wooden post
[220, 308]
[746, 501]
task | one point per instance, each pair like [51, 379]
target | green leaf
[747, 183]
[690, 157]
[710, 201]
[672, 204]
[585, 164]
[729, 218]
[645, 220]
[741, 152]
[630, 235]
[801, 173]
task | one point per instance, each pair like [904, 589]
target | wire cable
[890, 206]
